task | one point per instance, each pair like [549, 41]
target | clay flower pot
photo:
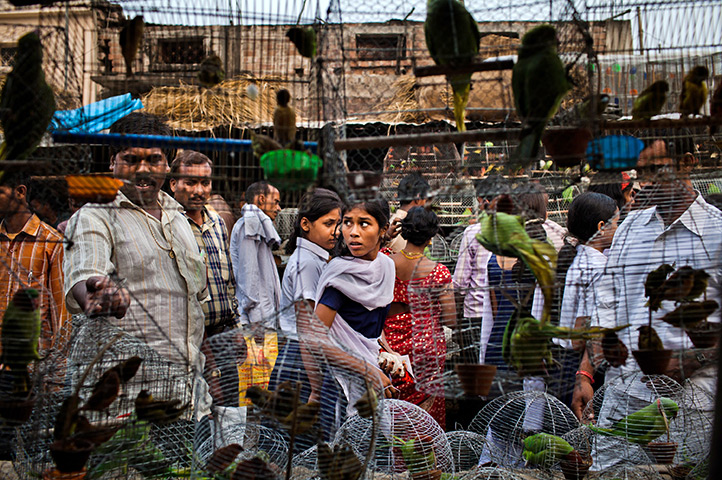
[663, 452]
[704, 336]
[475, 379]
[575, 465]
[567, 146]
[16, 409]
[652, 362]
[71, 455]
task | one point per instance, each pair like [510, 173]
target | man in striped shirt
[31, 255]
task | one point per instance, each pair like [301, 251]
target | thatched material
[192, 108]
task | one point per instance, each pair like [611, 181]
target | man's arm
[248, 281]
[101, 296]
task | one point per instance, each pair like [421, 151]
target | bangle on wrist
[586, 374]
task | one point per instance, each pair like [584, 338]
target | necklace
[411, 256]
[169, 249]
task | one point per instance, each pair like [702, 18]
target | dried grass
[193, 109]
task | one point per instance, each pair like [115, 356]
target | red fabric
[420, 331]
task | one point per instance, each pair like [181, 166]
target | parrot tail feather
[461, 99]
[601, 431]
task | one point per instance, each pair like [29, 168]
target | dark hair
[377, 208]
[490, 187]
[585, 213]
[412, 187]
[419, 226]
[15, 178]
[613, 189]
[283, 97]
[54, 193]
[186, 158]
[255, 189]
[530, 201]
[313, 205]
[140, 123]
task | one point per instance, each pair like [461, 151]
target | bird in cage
[222, 458]
[160, 412]
[338, 462]
[691, 314]
[694, 91]
[418, 453]
[104, 393]
[452, 38]
[644, 425]
[304, 39]
[131, 36]
[21, 327]
[545, 449]
[211, 71]
[649, 339]
[284, 119]
[537, 101]
[27, 102]
[651, 101]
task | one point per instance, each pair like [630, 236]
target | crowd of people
[169, 270]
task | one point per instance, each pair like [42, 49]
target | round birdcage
[631, 472]
[640, 420]
[506, 421]
[466, 447]
[494, 473]
[405, 439]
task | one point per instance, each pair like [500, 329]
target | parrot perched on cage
[211, 71]
[452, 38]
[689, 315]
[304, 38]
[651, 101]
[504, 234]
[537, 101]
[131, 36]
[339, 462]
[694, 91]
[418, 453]
[649, 339]
[544, 449]
[284, 119]
[159, 412]
[20, 334]
[645, 424]
[27, 102]
[715, 107]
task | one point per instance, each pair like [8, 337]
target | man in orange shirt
[31, 255]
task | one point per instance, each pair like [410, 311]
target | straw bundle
[191, 108]
[403, 105]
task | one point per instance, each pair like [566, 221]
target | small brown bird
[211, 72]
[614, 350]
[253, 469]
[689, 315]
[104, 393]
[651, 101]
[94, 434]
[262, 144]
[648, 339]
[699, 286]
[694, 91]
[131, 36]
[655, 279]
[222, 458]
[339, 463]
[367, 403]
[284, 119]
[125, 370]
[159, 412]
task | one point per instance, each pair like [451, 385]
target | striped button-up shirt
[470, 275]
[121, 238]
[33, 258]
[212, 239]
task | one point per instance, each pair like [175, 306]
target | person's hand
[392, 364]
[105, 297]
[387, 387]
[393, 231]
[583, 393]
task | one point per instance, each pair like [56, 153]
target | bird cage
[406, 441]
[466, 447]
[632, 472]
[506, 421]
[622, 436]
[493, 473]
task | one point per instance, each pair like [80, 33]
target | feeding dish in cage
[652, 362]
[475, 378]
[466, 448]
[614, 152]
[93, 188]
[704, 336]
[566, 146]
[290, 169]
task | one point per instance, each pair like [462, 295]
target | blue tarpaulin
[94, 117]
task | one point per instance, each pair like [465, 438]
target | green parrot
[504, 234]
[452, 38]
[539, 81]
[544, 449]
[418, 453]
[27, 102]
[651, 101]
[645, 424]
[304, 38]
[20, 335]
[694, 91]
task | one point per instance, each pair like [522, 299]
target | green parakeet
[504, 234]
[452, 38]
[544, 449]
[694, 91]
[21, 330]
[304, 38]
[651, 101]
[539, 81]
[645, 424]
[27, 102]
[418, 453]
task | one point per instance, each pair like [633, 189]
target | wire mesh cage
[466, 447]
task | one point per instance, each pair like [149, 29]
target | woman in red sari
[423, 301]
